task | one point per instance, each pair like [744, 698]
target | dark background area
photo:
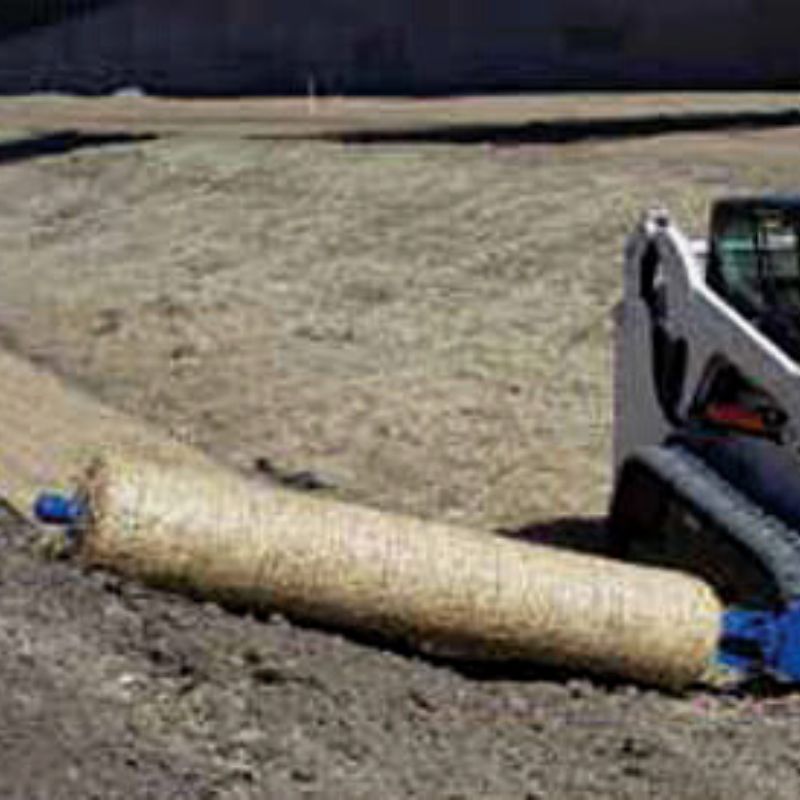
[345, 47]
[17, 16]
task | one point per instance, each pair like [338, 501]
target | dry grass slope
[428, 325]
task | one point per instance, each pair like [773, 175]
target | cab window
[737, 268]
[756, 262]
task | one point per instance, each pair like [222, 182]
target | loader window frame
[755, 266]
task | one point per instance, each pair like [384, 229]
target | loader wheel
[670, 509]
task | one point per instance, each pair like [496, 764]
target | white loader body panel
[665, 288]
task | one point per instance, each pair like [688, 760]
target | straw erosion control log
[460, 592]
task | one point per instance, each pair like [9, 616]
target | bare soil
[421, 327]
[114, 691]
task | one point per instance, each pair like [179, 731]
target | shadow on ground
[567, 131]
[62, 142]
[584, 534]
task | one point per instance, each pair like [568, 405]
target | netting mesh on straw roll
[470, 593]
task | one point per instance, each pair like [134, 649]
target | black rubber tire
[770, 549]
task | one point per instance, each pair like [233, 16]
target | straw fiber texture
[49, 432]
[461, 592]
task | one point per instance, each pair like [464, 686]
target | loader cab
[754, 264]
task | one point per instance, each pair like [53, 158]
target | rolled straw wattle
[220, 536]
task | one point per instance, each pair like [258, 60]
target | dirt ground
[424, 327]
[114, 691]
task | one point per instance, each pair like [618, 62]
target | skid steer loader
[707, 401]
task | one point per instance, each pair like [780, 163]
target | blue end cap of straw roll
[56, 509]
[756, 642]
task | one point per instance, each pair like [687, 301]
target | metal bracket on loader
[762, 643]
[69, 513]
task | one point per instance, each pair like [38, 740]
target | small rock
[108, 321]
[421, 700]
[303, 775]
[304, 480]
[270, 675]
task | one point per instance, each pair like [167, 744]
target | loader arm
[665, 289]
